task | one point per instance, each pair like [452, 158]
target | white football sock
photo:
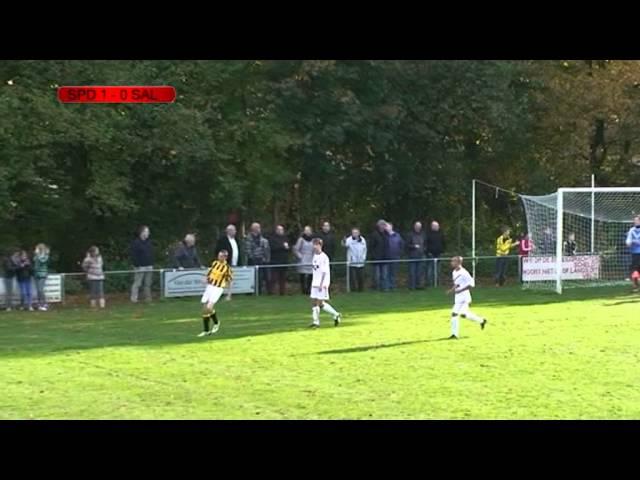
[473, 317]
[329, 309]
[315, 315]
[454, 325]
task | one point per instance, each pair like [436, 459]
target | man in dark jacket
[435, 249]
[142, 260]
[395, 247]
[377, 248]
[186, 255]
[280, 248]
[229, 243]
[10, 265]
[416, 242]
[257, 252]
[328, 240]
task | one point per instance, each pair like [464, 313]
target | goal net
[579, 237]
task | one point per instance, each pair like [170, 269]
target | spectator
[142, 260]
[435, 248]
[186, 255]
[570, 246]
[229, 243]
[257, 253]
[40, 272]
[416, 243]
[356, 247]
[303, 250]
[395, 248]
[93, 265]
[328, 240]
[279, 244]
[548, 245]
[524, 248]
[504, 244]
[11, 265]
[24, 273]
[378, 247]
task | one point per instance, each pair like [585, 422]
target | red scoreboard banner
[122, 94]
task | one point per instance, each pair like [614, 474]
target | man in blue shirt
[633, 242]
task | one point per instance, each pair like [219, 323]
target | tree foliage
[300, 141]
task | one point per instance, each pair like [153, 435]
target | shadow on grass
[622, 302]
[177, 321]
[367, 348]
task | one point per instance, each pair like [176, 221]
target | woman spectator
[93, 265]
[23, 275]
[40, 272]
[303, 250]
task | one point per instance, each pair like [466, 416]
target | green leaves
[299, 141]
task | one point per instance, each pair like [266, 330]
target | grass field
[542, 356]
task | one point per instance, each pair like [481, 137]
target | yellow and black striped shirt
[219, 274]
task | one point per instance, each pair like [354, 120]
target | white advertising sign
[580, 267]
[53, 290]
[186, 283]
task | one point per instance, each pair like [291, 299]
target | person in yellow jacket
[504, 245]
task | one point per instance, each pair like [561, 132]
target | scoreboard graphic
[117, 94]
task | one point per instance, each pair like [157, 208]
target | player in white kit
[320, 286]
[463, 282]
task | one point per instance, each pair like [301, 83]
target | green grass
[542, 356]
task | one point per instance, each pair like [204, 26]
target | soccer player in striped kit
[219, 276]
[463, 282]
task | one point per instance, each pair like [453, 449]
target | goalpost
[584, 229]
[578, 236]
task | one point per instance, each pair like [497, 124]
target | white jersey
[461, 279]
[321, 265]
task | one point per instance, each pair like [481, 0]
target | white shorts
[212, 294]
[461, 307]
[318, 293]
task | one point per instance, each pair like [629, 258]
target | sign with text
[579, 267]
[53, 290]
[187, 283]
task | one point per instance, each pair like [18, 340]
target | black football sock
[205, 322]
[214, 317]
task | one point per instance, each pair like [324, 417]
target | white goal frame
[560, 214]
[559, 252]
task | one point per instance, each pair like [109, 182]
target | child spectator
[525, 247]
[40, 272]
[93, 265]
[23, 275]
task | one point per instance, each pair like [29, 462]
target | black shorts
[635, 262]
